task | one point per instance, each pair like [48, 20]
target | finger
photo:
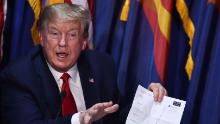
[151, 86]
[112, 109]
[154, 88]
[103, 105]
[158, 90]
[156, 94]
[162, 93]
[108, 104]
[99, 107]
[165, 94]
[104, 108]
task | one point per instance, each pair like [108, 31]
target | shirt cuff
[75, 118]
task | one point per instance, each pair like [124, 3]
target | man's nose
[63, 40]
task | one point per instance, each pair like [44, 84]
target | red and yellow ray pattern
[158, 13]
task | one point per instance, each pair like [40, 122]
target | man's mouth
[62, 55]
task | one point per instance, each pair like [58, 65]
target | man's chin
[62, 68]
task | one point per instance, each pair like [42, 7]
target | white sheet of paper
[145, 111]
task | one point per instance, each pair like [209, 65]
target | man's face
[62, 43]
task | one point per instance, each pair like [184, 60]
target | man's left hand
[158, 90]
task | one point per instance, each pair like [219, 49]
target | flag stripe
[1, 27]
[91, 6]
[125, 11]
[67, 1]
[160, 40]
[1, 16]
[167, 4]
[164, 19]
[50, 2]
[189, 29]
[36, 6]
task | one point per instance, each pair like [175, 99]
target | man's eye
[54, 33]
[73, 34]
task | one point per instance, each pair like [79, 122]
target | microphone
[62, 96]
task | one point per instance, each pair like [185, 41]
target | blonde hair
[66, 12]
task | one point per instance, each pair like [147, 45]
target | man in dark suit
[59, 82]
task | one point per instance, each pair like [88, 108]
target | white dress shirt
[75, 87]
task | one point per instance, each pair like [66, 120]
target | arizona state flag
[158, 14]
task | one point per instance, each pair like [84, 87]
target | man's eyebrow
[73, 30]
[52, 27]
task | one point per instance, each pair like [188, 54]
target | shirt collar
[72, 72]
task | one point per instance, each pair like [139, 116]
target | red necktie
[68, 103]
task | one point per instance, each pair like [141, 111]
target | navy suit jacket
[30, 95]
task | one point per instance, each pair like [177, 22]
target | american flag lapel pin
[91, 80]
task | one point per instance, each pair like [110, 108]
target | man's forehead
[60, 23]
[63, 27]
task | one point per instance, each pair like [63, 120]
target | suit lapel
[49, 89]
[89, 83]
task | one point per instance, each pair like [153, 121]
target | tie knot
[65, 76]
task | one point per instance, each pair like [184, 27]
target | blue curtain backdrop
[203, 95]
[130, 43]
[108, 30]
[177, 80]
[17, 35]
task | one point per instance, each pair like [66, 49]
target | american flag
[3, 8]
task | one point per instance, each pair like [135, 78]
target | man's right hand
[97, 111]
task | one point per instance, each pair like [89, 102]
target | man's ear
[41, 38]
[85, 45]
